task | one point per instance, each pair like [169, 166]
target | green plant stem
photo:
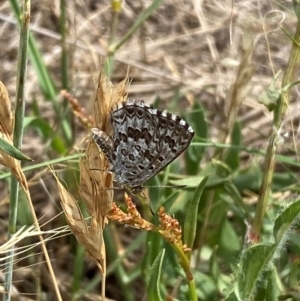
[18, 137]
[46, 164]
[78, 270]
[64, 60]
[112, 48]
[109, 65]
[45, 81]
[66, 115]
[142, 18]
[279, 114]
[184, 261]
[120, 272]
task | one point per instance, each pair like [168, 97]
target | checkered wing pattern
[145, 140]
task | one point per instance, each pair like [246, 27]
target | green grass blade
[233, 155]
[12, 151]
[153, 291]
[45, 80]
[195, 153]
[190, 224]
[113, 48]
[141, 19]
[18, 137]
[46, 164]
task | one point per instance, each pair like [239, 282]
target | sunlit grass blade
[190, 223]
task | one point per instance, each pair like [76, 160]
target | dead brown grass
[193, 46]
[186, 44]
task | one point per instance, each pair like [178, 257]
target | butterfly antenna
[103, 170]
[165, 186]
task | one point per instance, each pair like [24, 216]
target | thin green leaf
[190, 224]
[45, 80]
[152, 251]
[194, 154]
[40, 125]
[232, 155]
[237, 199]
[231, 297]
[286, 32]
[12, 151]
[58, 145]
[272, 291]
[137, 24]
[228, 242]
[192, 182]
[46, 164]
[120, 272]
[153, 291]
[170, 200]
[24, 19]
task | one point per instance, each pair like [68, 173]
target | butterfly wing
[175, 135]
[145, 141]
[135, 143]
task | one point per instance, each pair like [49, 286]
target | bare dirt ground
[194, 47]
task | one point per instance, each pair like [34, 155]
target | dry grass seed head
[170, 228]
[6, 115]
[90, 237]
[97, 184]
[78, 110]
[107, 97]
[132, 218]
[6, 132]
[95, 181]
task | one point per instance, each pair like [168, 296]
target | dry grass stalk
[239, 89]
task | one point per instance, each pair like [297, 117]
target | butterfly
[144, 141]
